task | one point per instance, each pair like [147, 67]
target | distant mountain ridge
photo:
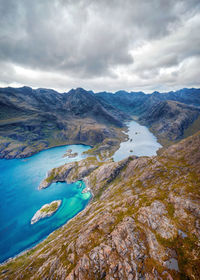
[124, 99]
[35, 119]
[160, 111]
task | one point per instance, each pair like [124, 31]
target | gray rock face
[172, 264]
[154, 217]
[186, 203]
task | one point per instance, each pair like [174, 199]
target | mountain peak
[80, 90]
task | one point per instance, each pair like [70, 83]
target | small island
[69, 154]
[46, 210]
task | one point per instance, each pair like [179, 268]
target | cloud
[98, 44]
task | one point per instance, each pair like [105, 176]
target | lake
[20, 199]
[141, 142]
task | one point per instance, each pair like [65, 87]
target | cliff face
[143, 221]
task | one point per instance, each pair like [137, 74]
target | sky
[100, 45]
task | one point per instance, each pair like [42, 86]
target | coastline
[32, 169]
[44, 149]
[22, 253]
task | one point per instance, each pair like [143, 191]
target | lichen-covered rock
[186, 203]
[154, 216]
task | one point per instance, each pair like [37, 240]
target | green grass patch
[51, 208]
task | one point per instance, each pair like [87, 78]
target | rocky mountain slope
[32, 120]
[168, 115]
[142, 223]
[169, 119]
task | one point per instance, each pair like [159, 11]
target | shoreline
[42, 240]
[86, 143]
[44, 149]
[125, 129]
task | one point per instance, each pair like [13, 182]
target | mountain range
[32, 120]
[35, 119]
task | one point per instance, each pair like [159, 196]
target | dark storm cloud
[51, 35]
[87, 40]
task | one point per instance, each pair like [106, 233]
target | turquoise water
[20, 199]
[143, 143]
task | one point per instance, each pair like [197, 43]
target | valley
[136, 213]
[34, 120]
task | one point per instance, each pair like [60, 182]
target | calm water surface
[143, 142]
[20, 199]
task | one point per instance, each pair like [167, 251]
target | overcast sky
[101, 44]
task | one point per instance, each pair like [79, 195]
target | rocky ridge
[143, 222]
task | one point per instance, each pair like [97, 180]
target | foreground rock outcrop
[143, 222]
